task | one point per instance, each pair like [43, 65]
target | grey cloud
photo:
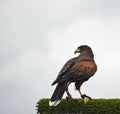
[17, 34]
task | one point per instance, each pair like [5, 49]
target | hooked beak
[77, 51]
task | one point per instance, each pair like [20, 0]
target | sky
[37, 37]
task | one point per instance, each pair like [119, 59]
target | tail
[58, 93]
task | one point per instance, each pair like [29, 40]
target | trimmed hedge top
[95, 106]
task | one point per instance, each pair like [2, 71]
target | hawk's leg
[68, 97]
[85, 98]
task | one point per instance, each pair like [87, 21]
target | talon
[85, 98]
[69, 98]
[84, 95]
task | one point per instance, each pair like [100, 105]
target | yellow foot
[85, 98]
[69, 98]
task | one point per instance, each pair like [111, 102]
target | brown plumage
[78, 70]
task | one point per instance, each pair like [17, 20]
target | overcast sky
[38, 36]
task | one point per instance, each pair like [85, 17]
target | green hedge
[95, 106]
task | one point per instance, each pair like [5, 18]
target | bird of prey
[78, 70]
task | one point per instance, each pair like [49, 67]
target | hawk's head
[83, 48]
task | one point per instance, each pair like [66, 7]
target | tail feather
[58, 93]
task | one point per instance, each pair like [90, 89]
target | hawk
[78, 70]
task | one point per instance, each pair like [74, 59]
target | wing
[64, 69]
[80, 71]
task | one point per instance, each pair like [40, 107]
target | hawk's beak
[77, 51]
